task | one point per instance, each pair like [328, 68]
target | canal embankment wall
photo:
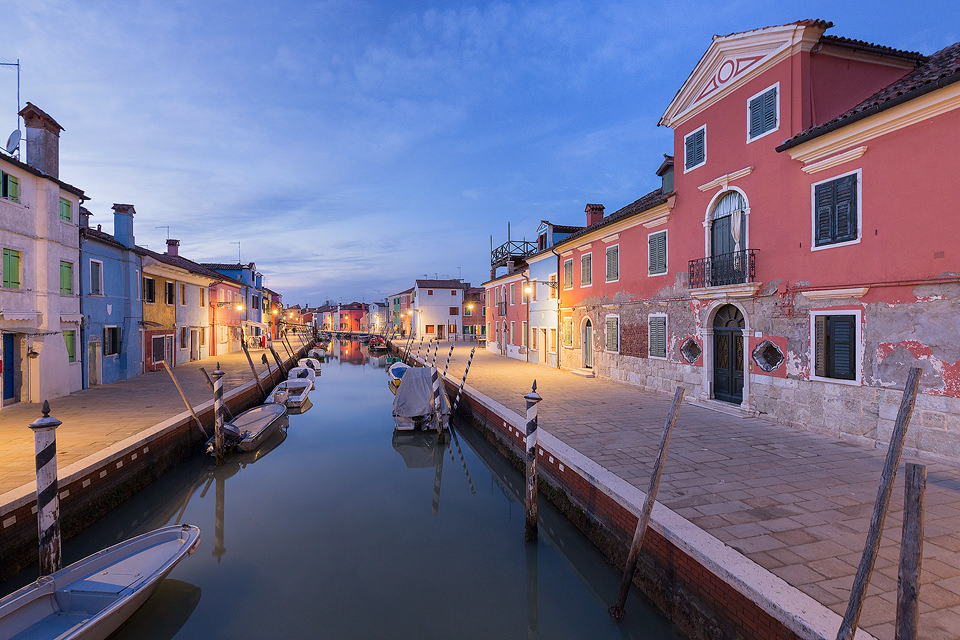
[706, 587]
[90, 488]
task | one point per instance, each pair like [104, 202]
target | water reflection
[164, 614]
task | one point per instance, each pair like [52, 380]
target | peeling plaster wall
[911, 327]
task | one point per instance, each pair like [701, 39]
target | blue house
[110, 300]
[254, 317]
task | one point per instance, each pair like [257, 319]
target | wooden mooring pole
[462, 382]
[530, 528]
[631, 565]
[447, 365]
[911, 554]
[246, 352]
[851, 619]
[183, 397]
[276, 356]
[218, 442]
[48, 498]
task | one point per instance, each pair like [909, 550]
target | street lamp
[470, 307]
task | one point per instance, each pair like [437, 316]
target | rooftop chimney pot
[594, 213]
[43, 140]
[173, 247]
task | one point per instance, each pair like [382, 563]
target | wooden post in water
[911, 554]
[417, 357]
[437, 403]
[246, 352]
[276, 356]
[462, 382]
[218, 442]
[533, 399]
[176, 383]
[436, 345]
[631, 565]
[446, 366]
[48, 497]
[226, 409]
[264, 360]
[848, 626]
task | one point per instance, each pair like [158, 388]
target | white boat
[414, 408]
[311, 363]
[395, 374]
[291, 393]
[91, 598]
[317, 353]
[254, 426]
[302, 373]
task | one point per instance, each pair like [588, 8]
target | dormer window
[763, 113]
[695, 149]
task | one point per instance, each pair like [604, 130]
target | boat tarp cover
[415, 395]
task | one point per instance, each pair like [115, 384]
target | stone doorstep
[796, 610]
[584, 373]
[724, 407]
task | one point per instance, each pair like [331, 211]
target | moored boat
[91, 598]
[302, 373]
[377, 344]
[256, 425]
[395, 374]
[311, 363]
[291, 393]
[413, 406]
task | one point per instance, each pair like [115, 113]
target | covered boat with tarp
[414, 407]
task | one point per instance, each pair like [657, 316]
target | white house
[436, 308]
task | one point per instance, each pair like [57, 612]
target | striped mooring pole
[462, 382]
[416, 357]
[446, 366]
[532, 398]
[48, 500]
[218, 414]
[437, 403]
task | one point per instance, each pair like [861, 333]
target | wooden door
[728, 354]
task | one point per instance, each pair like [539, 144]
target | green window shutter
[65, 210]
[613, 263]
[823, 201]
[842, 336]
[69, 340]
[763, 113]
[658, 337]
[95, 278]
[568, 332]
[820, 348]
[66, 278]
[756, 116]
[613, 334]
[846, 203]
[568, 274]
[657, 245]
[694, 149]
[586, 270]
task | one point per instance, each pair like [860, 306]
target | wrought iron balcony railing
[738, 267]
[511, 250]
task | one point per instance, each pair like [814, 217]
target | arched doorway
[587, 344]
[728, 327]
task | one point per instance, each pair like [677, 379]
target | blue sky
[351, 147]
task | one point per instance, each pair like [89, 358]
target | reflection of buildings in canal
[422, 450]
[560, 534]
[163, 614]
[231, 466]
[348, 351]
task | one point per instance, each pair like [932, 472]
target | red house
[801, 256]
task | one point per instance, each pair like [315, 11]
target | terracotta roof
[870, 47]
[227, 265]
[937, 71]
[650, 200]
[26, 167]
[566, 228]
[102, 236]
[189, 265]
[440, 284]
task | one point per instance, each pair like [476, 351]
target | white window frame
[813, 211]
[692, 133]
[582, 256]
[106, 342]
[607, 260]
[776, 86]
[552, 279]
[99, 262]
[605, 328]
[513, 293]
[858, 327]
[666, 266]
[666, 337]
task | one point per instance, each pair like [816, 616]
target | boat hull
[256, 425]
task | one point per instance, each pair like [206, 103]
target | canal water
[340, 528]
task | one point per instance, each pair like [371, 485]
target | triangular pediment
[733, 60]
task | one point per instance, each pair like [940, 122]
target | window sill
[849, 383]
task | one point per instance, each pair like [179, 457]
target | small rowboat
[394, 374]
[91, 598]
[291, 393]
[256, 425]
[311, 363]
[302, 373]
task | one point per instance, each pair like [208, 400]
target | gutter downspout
[558, 306]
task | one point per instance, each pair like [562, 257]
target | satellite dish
[13, 141]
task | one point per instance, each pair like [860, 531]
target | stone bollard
[48, 499]
[218, 442]
[532, 398]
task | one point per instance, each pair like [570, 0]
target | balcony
[725, 275]
[512, 250]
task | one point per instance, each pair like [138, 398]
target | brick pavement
[798, 504]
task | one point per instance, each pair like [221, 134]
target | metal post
[532, 398]
[631, 565]
[48, 499]
[911, 554]
[218, 413]
[462, 382]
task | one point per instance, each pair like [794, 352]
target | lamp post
[470, 307]
[527, 288]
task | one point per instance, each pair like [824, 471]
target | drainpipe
[526, 336]
[558, 305]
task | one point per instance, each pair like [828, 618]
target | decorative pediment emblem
[725, 73]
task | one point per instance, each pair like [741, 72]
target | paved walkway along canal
[797, 504]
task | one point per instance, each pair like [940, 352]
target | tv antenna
[13, 142]
[239, 261]
[167, 227]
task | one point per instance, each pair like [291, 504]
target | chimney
[85, 217]
[43, 140]
[666, 174]
[123, 224]
[594, 213]
[173, 247]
